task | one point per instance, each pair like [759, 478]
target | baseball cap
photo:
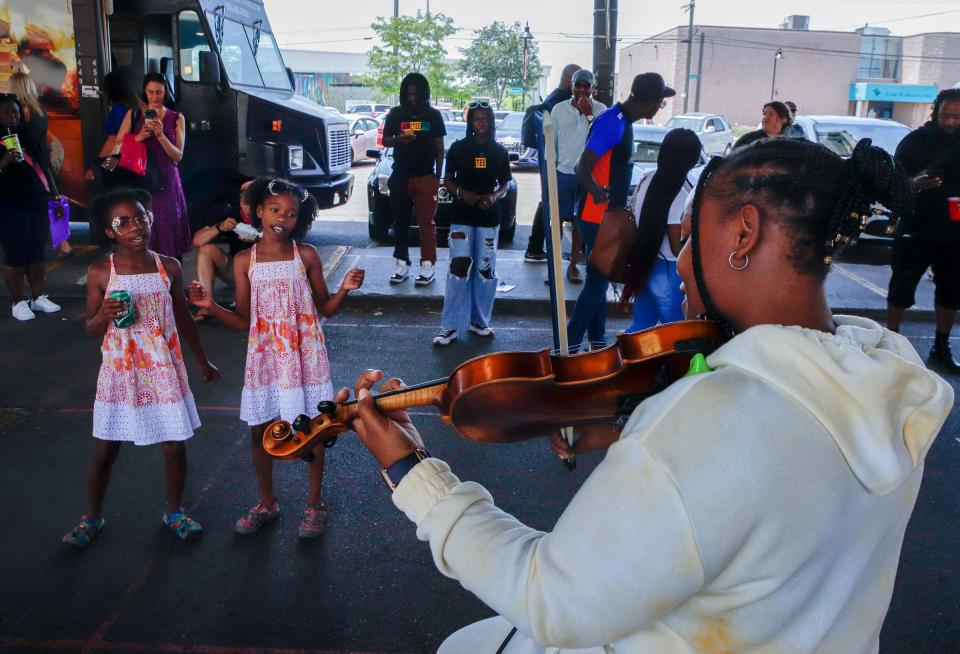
[584, 75]
[650, 86]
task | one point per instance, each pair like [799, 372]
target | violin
[507, 397]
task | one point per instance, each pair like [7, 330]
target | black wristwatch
[395, 473]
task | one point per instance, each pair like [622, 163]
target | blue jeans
[472, 278]
[568, 192]
[590, 313]
[660, 299]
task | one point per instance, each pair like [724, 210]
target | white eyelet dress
[142, 390]
[287, 368]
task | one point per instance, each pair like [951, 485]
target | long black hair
[678, 154]
[823, 199]
[116, 87]
[263, 187]
[491, 121]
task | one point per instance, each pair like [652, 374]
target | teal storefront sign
[870, 92]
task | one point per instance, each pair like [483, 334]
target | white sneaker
[21, 311]
[480, 329]
[426, 274]
[401, 272]
[44, 304]
[445, 336]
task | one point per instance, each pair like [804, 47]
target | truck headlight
[295, 157]
[382, 184]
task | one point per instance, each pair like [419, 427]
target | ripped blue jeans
[472, 277]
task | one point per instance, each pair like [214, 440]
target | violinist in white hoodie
[756, 507]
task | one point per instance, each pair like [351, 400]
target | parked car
[646, 149]
[367, 108]
[378, 197]
[841, 135]
[498, 116]
[508, 133]
[333, 109]
[363, 135]
[714, 131]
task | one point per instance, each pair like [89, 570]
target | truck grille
[338, 145]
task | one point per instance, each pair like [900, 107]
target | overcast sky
[563, 27]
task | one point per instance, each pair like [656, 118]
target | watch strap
[393, 474]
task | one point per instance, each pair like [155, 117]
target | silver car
[841, 133]
[714, 130]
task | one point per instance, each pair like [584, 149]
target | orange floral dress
[142, 391]
[287, 368]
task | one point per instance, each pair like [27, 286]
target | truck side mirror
[209, 69]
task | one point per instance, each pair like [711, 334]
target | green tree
[494, 61]
[410, 44]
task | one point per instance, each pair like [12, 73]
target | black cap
[650, 86]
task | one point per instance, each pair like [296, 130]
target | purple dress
[171, 233]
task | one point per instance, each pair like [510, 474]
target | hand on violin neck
[389, 435]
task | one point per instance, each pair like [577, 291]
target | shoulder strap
[161, 270]
[297, 259]
[253, 260]
[113, 273]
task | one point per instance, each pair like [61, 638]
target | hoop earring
[746, 261]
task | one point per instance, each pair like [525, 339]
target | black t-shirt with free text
[481, 168]
[416, 158]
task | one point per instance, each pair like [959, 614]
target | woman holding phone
[162, 130]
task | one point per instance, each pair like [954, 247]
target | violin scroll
[283, 440]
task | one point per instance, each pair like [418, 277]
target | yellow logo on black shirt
[480, 162]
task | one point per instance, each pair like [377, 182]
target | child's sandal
[80, 536]
[185, 527]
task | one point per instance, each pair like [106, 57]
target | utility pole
[396, 8]
[604, 47]
[696, 106]
[686, 80]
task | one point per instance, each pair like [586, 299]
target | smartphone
[151, 114]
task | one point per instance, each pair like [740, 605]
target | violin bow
[556, 258]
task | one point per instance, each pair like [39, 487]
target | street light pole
[686, 80]
[526, 39]
[773, 84]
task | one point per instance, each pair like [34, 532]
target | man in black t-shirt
[227, 231]
[931, 156]
[415, 131]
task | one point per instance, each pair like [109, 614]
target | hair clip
[290, 189]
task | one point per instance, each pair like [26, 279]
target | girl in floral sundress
[142, 391]
[280, 292]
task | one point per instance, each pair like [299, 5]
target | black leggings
[23, 234]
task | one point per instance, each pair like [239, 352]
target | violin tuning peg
[301, 423]
[330, 442]
[327, 407]
[309, 457]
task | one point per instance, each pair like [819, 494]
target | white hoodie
[760, 507]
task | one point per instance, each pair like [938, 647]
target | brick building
[735, 70]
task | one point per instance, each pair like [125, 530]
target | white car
[714, 131]
[841, 133]
[363, 135]
[370, 109]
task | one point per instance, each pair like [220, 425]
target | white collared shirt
[571, 128]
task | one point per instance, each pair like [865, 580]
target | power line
[897, 20]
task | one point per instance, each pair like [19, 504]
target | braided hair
[823, 199]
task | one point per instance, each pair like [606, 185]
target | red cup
[953, 207]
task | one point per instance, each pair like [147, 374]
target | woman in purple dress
[162, 130]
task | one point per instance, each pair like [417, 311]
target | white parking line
[870, 286]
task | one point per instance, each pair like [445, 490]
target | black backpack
[528, 128]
